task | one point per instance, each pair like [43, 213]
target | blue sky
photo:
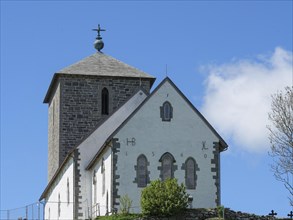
[227, 57]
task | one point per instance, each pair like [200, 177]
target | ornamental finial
[99, 44]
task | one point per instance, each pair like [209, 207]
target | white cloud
[238, 95]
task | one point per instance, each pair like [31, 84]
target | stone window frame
[166, 111]
[147, 172]
[105, 101]
[173, 166]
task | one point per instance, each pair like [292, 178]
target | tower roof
[99, 64]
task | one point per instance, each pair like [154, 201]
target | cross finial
[273, 213]
[99, 44]
[99, 30]
[290, 215]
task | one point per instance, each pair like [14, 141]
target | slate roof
[99, 64]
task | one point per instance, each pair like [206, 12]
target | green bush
[164, 198]
[220, 210]
[120, 217]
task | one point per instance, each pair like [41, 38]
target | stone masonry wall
[80, 108]
[53, 132]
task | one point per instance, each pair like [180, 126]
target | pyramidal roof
[100, 64]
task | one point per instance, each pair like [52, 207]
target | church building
[110, 134]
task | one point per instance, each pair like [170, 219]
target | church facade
[109, 136]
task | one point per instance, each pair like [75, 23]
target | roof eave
[223, 146]
[49, 91]
[44, 194]
[56, 75]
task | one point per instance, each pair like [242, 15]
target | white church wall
[91, 145]
[183, 137]
[59, 200]
[101, 187]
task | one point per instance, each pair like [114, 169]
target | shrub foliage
[120, 217]
[164, 198]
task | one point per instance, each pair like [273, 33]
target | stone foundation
[203, 214]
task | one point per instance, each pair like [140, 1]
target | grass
[216, 218]
[120, 217]
[133, 217]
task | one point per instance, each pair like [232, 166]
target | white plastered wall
[91, 145]
[182, 137]
[59, 187]
[103, 196]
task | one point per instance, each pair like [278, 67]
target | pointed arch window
[167, 166]
[190, 175]
[166, 111]
[142, 171]
[107, 203]
[103, 176]
[59, 205]
[68, 192]
[105, 101]
[95, 186]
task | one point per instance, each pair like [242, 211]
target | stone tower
[83, 94]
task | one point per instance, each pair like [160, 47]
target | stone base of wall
[203, 214]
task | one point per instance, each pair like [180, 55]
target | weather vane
[99, 44]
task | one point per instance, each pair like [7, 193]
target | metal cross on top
[272, 213]
[99, 30]
[290, 215]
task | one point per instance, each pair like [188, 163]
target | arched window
[107, 203]
[95, 186]
[142, 171]
[68, 192]
[166, 111]
[59, 205]
[105, 101]
[190, 175]
[167, 166]
[103, 176]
